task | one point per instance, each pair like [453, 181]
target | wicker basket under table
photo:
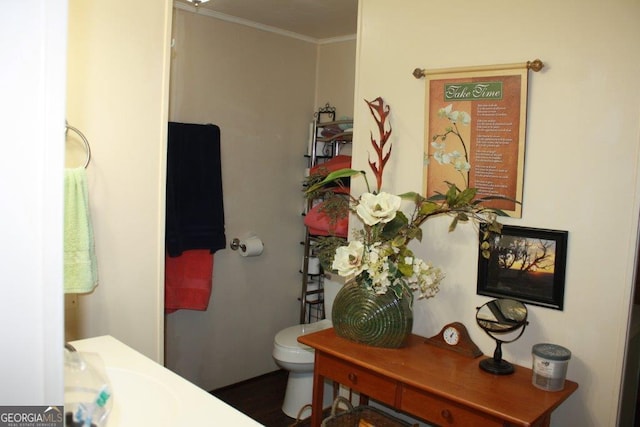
[360, 416]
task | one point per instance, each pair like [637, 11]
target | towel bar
[84, 140]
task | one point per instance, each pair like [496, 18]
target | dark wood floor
[260, 398]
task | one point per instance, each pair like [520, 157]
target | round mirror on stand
[498, 317]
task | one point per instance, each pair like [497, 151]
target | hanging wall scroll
[475, 124]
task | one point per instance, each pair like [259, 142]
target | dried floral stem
[380, 111]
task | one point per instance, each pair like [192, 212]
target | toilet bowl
[298, 358]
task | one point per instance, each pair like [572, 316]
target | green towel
[80, 267]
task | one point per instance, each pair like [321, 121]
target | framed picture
[526, 264]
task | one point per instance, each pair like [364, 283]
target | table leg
[364, 399]
[317, 400]
[546, 421]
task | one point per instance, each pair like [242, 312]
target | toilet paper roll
[314, 266]
[310, 141]
[251, 246]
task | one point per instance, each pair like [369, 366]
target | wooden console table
[425, 381]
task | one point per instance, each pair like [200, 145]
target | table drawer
[443, 412]
[358, 379]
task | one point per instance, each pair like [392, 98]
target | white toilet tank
[332, 284]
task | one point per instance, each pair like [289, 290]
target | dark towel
[195, 212]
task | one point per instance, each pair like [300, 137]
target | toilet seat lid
[288, 337]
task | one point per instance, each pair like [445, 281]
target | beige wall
[580, 171]
[336, 67]
[118, 63]
[259, 88]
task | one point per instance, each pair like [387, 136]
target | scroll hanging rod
[535, 65]
[84, 141]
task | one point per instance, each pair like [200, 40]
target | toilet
[298, 358]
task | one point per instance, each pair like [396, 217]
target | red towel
[188, 280]
[320, 224]
[335, 163]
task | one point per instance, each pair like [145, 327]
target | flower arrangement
[378, 257]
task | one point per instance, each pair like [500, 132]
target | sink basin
[146, 393]
[133, 391]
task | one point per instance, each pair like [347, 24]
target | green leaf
[342, 173]
[428, 208]
[406, 270]
[413, 196]
[393, 227]
[499, 212]
[415, 233]
[453, 224]
[333, 176]
[488, 198]
[437, 197]
[398, 241]
[467, 196]
[452, 195]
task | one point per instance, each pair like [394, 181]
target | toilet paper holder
[248, 247]
[235, 245]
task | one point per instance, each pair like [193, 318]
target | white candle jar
[550, 363]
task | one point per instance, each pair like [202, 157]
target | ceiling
[316, 19]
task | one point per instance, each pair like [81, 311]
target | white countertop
[147, 394]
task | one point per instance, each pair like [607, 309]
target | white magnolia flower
[348, 259]
[378, 208]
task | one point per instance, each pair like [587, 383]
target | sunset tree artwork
[524, 262]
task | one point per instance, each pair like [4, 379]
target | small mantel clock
[454, 336]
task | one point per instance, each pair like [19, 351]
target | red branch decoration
[380, 111]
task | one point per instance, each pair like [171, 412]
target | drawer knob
[446, 414]
[353, 377]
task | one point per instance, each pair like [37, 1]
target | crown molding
[338, 39]
[233, 19]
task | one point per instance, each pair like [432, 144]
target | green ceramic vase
[376, 320]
